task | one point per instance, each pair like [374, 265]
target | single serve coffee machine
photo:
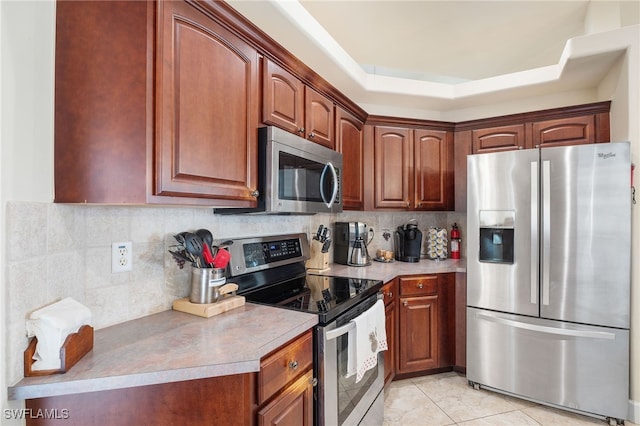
[350, 243]
[408, 239]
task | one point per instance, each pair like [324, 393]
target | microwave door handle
[334, 195]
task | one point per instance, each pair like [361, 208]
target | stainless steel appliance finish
[296, 176]
[548, 275]
[342, 401]
[351, 242]
[270, 270]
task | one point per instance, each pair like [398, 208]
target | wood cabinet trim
[548, 114]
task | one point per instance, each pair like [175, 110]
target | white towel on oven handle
[366, 339]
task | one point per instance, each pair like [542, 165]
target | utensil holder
[317, 261]
[203, 281]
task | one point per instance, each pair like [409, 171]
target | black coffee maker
[408, 241]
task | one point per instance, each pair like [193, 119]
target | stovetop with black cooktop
[292, 288]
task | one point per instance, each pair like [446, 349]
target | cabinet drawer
[284, 365]
[418, 286]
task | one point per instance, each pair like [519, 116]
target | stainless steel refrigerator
[548, 275]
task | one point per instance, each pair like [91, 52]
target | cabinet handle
[301, 130]
[312, 135]
[293, 365]
[420, 285]
[390, 294]
[255, 193]
[313, 381]
[405, 303]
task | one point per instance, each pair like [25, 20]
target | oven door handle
[337, 332]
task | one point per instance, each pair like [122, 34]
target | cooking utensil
[206, 255]
[206, 236]
[193, 245]
[180, 258]
[318, 233]
[222, 259]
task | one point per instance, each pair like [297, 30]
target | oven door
[342, 401]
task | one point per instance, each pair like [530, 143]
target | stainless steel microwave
[296, 176]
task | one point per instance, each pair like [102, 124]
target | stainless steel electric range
[270, 270]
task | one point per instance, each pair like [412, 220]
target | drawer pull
[313, 381]
[405, 303]
[420, 285]
[390, 294]
[293, 365]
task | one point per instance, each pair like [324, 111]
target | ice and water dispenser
[496, 236]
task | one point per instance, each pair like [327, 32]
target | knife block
[318, 261]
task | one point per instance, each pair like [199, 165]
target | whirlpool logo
[606, 155]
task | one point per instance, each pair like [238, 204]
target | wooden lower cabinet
[426, 323]
[390, 294]
[280, 394]
[294, 406]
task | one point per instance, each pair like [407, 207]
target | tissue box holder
[74, 348]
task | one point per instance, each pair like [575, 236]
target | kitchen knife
[317, 236]
[326, 245]
[324, 235]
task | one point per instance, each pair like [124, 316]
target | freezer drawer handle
[549, 330]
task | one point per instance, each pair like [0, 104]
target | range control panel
[254, 254]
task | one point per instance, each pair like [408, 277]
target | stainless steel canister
[205, 283]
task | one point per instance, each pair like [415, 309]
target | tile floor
[447, 399]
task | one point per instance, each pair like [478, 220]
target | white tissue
[51, 325]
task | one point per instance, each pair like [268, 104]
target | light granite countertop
[173, 346]
[388, 271]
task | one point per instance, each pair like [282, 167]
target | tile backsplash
[59, 250]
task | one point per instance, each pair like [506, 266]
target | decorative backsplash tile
[59, 250]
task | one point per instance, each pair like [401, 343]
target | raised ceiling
[424, 55]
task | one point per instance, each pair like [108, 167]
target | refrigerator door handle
[534, 232]
[546, 231]
[548, 330]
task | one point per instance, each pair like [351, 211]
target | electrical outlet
[121, 257]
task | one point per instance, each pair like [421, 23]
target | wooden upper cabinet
[291, 105]
[502, 138]
[103, 101]
[282, 99]
[566, 131]
[350, 142]
[392, 167]
[207, 92]
[319, 118]
[433, 170]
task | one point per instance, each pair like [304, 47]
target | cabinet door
[418, 333]
[283, 99]
[294, 406]
[206, 107]
[503, 138]
[566, 131]
[319, 118]
[433, 170]
[392, 167]
[350, 142]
